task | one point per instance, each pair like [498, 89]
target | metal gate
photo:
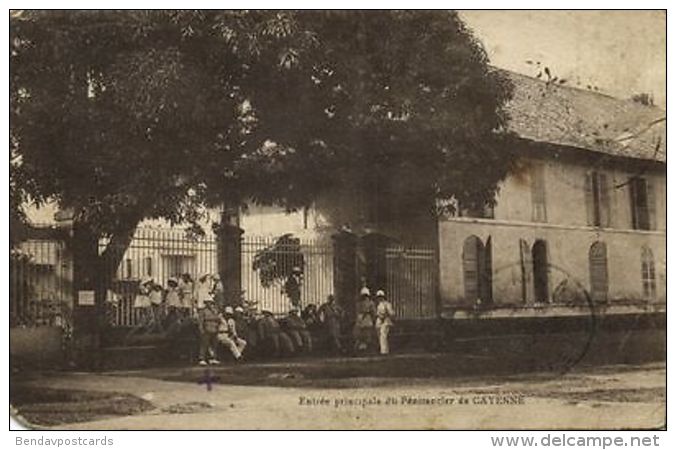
[412, 281]
[267, 263]
[40, 278]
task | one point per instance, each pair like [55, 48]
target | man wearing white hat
[227, 334]
[363, 326]
[384, 314]
[208, 322]
[203, 290]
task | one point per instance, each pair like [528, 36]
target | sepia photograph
[337, 219]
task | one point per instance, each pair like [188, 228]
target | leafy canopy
[125, 115]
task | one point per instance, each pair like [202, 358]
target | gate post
[345, 277]
[87, 320]
[374, 245]
[230, 262]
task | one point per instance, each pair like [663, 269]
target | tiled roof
[564, 115]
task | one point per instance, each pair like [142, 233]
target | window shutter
[604, 200]
[633, 203]
[487, 273]
[589, 198]
[470, 263]
[526, 271]
[652, 204]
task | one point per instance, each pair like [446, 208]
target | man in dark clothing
[292, 287]
[270, 333]
[245, 328]
[331, 315]
[297, 330]
[208, 321]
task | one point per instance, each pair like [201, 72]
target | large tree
[416, 110]
[129, 115]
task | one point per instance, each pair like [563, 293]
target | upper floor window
[597, 199]
[648, 273]
[538, 193]
[642, 204]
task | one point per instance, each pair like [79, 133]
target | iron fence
[268, 262]
[41, 274]
[40, 283]
[156, 254]
[412, 281]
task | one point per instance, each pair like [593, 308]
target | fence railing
[40, 283]
[412, 281]
[163, 253]
[267, 264]
[41, 274]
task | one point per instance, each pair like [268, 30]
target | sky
[621, 52]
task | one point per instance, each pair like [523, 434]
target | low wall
[36, 346]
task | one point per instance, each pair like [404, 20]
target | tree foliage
[125, 115]
[276, 262]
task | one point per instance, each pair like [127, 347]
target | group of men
[373, 316]
[235, 329]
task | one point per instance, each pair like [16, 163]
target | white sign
[85, 298]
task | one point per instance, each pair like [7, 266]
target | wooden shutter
[470, 265]
[598, 272]
[651, 204]
[589, 198]
[487, 273]
[526, 271]
[604, 200]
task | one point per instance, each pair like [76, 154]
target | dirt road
[606, 397]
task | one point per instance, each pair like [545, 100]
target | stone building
[582, 218]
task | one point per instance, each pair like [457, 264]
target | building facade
[581, 219]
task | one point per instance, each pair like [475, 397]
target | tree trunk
[94, 271]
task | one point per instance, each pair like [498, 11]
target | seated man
[227, 334]
[271, 334]
[297, 330]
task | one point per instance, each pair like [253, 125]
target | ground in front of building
[358, 393]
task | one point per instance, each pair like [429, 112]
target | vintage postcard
[337, 219]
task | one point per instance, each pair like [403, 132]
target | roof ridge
[511, 73]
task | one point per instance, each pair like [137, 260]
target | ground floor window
[598, 271]
[648, 273]
[540, 271]
[477, 269]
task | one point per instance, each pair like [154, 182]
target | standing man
[209, 320]
[331, 314]
[203, 290]
[292, 286]
[363, 326]
[384, 314]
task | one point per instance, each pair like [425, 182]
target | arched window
[598, 271]
[477, 270]
[540, 271]
[648, 273]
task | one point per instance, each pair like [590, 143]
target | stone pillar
[345, 271]
[230, 262]
[87, 317]
[374, 246]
